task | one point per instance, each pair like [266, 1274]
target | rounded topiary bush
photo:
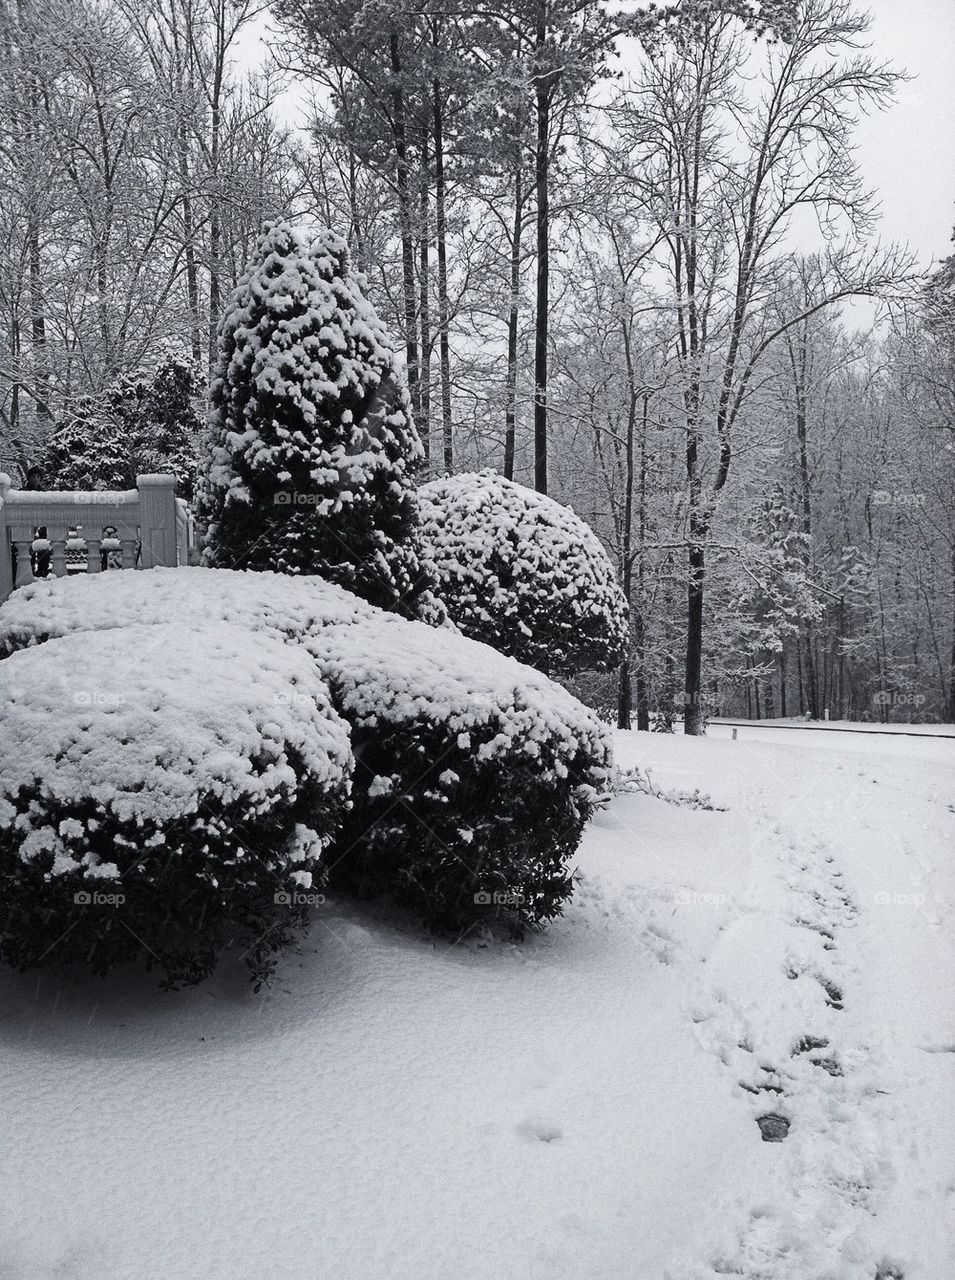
[522, 573]
[474, 775]
[164, 793]
[311, 450]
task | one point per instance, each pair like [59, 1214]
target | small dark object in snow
[773, 1128]
[889, 1273]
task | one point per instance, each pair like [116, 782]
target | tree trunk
[41, 370]
[692, 688]
[188, 231]
[541, 320]
[402, 179]
[42, 376]
[355, 236]
[696, 570]
[15, 364]
[623, 696]
[510, 407]
[444, 310]
[643, 692]
[215, 210]
[639, 627]
[812, 683]
[424, 303]
[812, 686]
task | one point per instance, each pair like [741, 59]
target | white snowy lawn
[579, 1106]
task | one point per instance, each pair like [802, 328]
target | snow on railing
[52, 534]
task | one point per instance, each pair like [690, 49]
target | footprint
[807, 1043]
[766, 1081]
[816, 928]
[833, 992]
[761, 1088]
[773, 1127]
[537, 1129]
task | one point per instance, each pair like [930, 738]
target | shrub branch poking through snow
[522, 573]
[474, 775]
[639, 781]
[311, 449]
[161, 798]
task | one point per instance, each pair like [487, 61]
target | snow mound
[274, 603]
[522, 573]
[194, 776]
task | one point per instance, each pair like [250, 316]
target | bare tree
[728, 178]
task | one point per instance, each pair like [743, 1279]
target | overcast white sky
[908, 152]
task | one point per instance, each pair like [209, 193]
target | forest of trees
[619, 251]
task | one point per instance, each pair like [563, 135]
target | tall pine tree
[311, 449]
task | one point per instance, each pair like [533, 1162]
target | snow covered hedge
[474, 774]
[160, 798]
[311, 450]
[522, 573]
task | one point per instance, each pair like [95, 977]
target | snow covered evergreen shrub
[164, 792]
[311, 449]
[88, 449]
[522, 573]
[145, 422]
[164, 426]
[474, 774]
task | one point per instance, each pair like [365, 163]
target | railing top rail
[72, 498]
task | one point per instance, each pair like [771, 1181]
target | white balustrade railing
[59, 532]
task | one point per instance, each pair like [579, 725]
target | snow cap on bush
[272, 603]
[474, 774]
[197, 778]
[310, 448]
[522, 573]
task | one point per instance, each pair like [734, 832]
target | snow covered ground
[580, 1106]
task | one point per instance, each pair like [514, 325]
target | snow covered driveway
[582, 1106]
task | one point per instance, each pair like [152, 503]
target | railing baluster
[57, 540]
[24, 562]
[148, 525]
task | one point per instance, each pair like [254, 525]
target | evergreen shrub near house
[522, 573]
[311, 449]
[145, 422]
[474, 775]
[164, 794]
